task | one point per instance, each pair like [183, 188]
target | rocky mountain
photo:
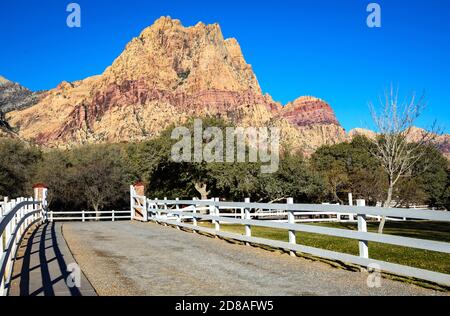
[14, 97]
[166, 75]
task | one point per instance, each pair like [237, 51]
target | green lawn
[424, 259]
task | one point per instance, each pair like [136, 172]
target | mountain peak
[168, 56]
[167, 19]
[166, 24]
[304, 100]
[161, 24]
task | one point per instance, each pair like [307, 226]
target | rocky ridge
[166, 75]
[13, 96]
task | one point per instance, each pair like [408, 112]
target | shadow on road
[41, 267]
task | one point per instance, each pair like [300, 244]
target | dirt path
[130, 258]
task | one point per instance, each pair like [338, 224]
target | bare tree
[395, 147]
[201, 188]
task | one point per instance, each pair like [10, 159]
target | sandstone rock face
[442, 141]
[308, 123]
[307, 111]
[308, 139]
[362, 132]
[166, 75]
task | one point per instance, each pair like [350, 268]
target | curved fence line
[187, 213]
[17, 216]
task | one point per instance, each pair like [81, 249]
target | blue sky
[296, 47]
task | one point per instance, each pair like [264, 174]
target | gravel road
[132, 258]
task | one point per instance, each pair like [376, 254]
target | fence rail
[187, 213]
[87, 216]
[16, 217]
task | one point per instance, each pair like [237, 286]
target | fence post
[212, 211]
[291, 220]
[27, 210]
[351, 217]
[248, 228]
[157, 211]
[151, 207]
[18, 228]
[216, 213]
[9, 232]
[165, 210]
[19, 218]
[9, 227]
[40, 195]
[194, 211]
[132, 194]
[177, 208]
[113, 213]
[83, 216]
[24, 213]
[32, 218]
[362, 227]
[144, 209]
[5, 201]
[3, 240]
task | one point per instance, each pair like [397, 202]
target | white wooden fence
[85, 216]
[16, 217]
[187, 214]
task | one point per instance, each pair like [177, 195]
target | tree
[431, 174]
[293, 179]
[394, 122]
[182, 179]
[364, 170]
[349, 167]
[330, 162]
[100, 175]
[229, 180]
[235, 181]
[56, 171]
[17, 167]
[446, 194]
[91, 177]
